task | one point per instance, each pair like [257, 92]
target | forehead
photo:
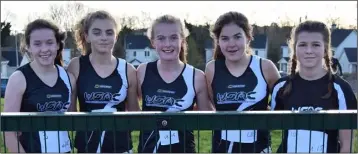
[309, 37]
[231, 29]
[166, 29]
[102, 24]
[42, 34]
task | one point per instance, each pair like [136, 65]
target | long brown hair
[45, 24]
[169, 19]
[83, 26]
[310, 26]
[230, 17]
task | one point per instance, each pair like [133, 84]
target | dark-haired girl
[312, 86]
[41, 85]
[238, 81]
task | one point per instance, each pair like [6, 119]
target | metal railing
[191, 120]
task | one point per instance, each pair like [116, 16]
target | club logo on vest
[53, 96]
[102, 86]
[53, 106]
[101, 97]
[163, 101]
[307, 108]
[236, 97]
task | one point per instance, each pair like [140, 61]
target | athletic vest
[39, 97]
[157, 95]
[97, 94]
[248, 92]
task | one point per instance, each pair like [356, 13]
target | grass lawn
[204, 145]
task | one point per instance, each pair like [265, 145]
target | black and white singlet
[157, 95]
[307, 96]
[39, 97]
[248, 92]
[97, 94]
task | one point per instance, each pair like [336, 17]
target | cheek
[222, 45]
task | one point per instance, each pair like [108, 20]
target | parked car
[3, 86]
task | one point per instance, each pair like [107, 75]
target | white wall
[4, 67]
[285, 51]
[209, 53]
[140, 55]
[345, 64]
[349, 42]
[66, 56]
[260, 52]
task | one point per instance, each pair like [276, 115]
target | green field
[204, 145]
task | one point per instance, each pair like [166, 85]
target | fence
[192, 120]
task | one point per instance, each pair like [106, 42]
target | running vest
[157, 95]
[307, 96]
[248, 92]
[39, 97]
[97, 94]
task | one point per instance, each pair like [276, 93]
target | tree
[67, 15]
[5, 32]
[193, 56]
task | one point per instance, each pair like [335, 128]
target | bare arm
[13, 96]
[201, 88]
[132, 97]
[346, 141]
[270, 72]
[209, 75]
[140, 78]
[73, 70]
[73, 106]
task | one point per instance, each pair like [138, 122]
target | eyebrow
[233, 35]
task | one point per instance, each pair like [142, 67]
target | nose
[231, 43]
[103, 37]
[45, 48]
[166, 42]
[308, 50]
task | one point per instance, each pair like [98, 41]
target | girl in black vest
[171, 85]
[41, 85]
[238, 81]
[104, 83]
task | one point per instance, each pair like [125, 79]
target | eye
[302, 45]
[224, 38]
[96, 32]
[316, 45]
[160, 38]
[237, 36]
[110, 32]
[174, 37]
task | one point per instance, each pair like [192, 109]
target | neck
[169, 65]
[242, 62]
[313, 73]
[42, 69]
[99, 58]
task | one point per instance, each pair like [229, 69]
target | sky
[199, 12]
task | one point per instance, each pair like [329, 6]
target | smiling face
[232, 42]
[43, 46]
[102, 35]
[167, 41]
[310, 49]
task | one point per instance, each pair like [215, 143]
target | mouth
[232, 51]
[309, 57]
[168, 51]
[45, 56]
